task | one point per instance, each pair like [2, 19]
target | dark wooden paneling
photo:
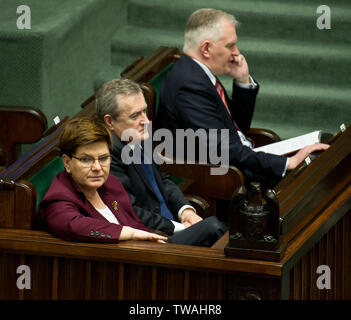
[71, 279]
[206, 286]
[104, 280]
[41, 268]
[171, 284]
[137, 282]
[8, 276]
[314, 256]
[243, 287]
[332, 250]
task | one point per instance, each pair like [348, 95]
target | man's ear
[108, 121]
[205, 49]
[67, 162]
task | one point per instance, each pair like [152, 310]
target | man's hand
[189, 217]
[240, 69]
[302, 154]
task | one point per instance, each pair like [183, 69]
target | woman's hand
[129, 233]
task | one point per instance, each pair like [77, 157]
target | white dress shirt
[108, 215]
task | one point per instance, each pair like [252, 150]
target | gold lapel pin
[115, 205]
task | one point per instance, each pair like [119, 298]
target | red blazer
[67, 214]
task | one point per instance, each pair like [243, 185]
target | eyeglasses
[87, 161]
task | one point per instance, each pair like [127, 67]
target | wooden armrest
[32, 123]
[262, 136]
[201, 206]
[222, 242]
[18, 199]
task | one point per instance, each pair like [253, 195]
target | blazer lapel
[137, 167]
[112, 203]
[206, 80]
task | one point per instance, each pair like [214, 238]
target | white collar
[207, 71]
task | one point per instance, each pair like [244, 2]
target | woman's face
[87, 173]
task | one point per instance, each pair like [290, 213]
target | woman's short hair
[204, 24]
[107, 96]
[82, 131]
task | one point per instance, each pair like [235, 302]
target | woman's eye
[104, 158]
[85, 159]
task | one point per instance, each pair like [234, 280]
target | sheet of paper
[292, 144]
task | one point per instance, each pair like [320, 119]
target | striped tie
[220, 91]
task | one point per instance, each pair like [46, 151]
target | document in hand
[291, 145]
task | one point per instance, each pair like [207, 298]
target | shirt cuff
[251, 85]
[177, 226]
[286, 167]
[186, 206]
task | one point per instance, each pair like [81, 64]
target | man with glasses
[157, 200]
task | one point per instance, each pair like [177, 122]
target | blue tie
[151, 177]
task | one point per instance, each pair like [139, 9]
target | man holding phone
[192, 97]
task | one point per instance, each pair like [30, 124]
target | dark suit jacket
[188, 99]
[67, 214]
[144, 201]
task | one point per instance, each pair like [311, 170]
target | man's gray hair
[204, 24]
[107, 96]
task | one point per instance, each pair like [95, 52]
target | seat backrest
[156, 83]
[149, 72]
[43, 178]
[144, 69]
[151, 90]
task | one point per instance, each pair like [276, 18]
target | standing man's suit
[188, 99]
[147, 206]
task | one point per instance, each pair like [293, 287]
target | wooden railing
[144, 270]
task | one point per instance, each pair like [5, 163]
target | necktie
[220, 91]
[245, 140]
[151, 177]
